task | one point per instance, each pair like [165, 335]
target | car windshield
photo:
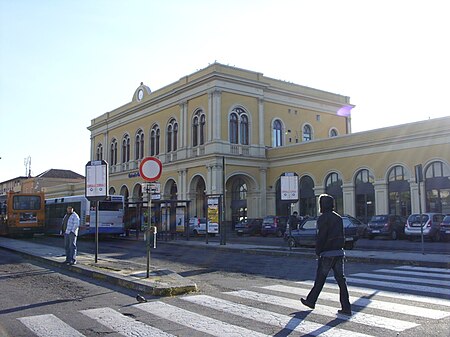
[415, 218]
[379, 218]
[269, 220]
[446, 219]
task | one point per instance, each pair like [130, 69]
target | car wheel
[349, 245]
[394, 235]
[291, 243]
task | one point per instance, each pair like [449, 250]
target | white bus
[111, 214]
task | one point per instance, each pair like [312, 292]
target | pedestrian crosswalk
[385, 301]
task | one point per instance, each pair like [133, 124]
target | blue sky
[63, 63]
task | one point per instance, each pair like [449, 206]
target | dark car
[362, 227]
[391, 226]
[306, 233]
[274, 225]
[250, 226]
[445, 228]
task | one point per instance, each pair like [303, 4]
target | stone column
[348, 192]
[216, 122]
[263, 191]
[381, 197]
[261, 121]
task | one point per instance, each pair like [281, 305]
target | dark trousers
[323, 268]
[70, 243]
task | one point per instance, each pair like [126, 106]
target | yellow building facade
[224, 128]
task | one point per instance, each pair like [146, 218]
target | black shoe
[72, 263]
[308, 304]
[345, 312]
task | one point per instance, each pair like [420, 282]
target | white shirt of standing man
[73, 223]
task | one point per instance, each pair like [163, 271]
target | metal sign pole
[149, 221]
[97, 204]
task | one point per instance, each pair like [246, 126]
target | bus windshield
[111, 206]
[26, 202]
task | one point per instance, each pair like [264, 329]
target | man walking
[70, 225]
[330, 250]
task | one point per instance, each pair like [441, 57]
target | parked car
[250, 226]
[445, 228]
[306, 233]
[274, 225]
[391, 226]
[197, 226]
[430, 223]
[362, 227]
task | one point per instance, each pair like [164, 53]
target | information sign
[96, 180]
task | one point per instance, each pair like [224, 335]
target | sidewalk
[164, 282]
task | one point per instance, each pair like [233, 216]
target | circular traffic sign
[150, 169]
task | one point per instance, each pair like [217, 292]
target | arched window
[307, 133]
[364, 195]
[233, 128]
[139, 145]
[113, 152]
[99, 152]
[333, 132]
[333, 187]
[244, 129]
[198, 128]
[239, 133]
[126, 149]
[399, 192]
[437, 187]
[195, 131]
[202, 129]
[154, 140]
[277, 133]
[172, 135]
[307, 199]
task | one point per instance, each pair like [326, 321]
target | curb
[278, 251]
[155, 287]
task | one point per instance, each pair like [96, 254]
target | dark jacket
[330, 236]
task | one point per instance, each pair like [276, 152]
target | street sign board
[96, 182]
[150, 169]
[289, 186]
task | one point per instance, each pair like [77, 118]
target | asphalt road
[30, 289]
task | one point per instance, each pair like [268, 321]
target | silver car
[430, 223]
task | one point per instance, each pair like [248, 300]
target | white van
[197, 226]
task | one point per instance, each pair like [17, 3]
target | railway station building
[234, 132]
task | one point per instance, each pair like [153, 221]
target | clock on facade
[140, 94]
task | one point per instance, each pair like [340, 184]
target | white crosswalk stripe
[358, 317]
[269, 317]
[49, 326]
[195, 321]
[228, 314]
[122, 324]
[366, 302]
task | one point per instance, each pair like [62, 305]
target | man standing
[330, 250]
[70, 225]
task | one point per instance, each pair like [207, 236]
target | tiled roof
[61, 174]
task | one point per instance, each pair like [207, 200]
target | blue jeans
[70, 243]
[323, 268]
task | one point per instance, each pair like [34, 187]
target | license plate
[376, 231]
[348, 239]
[240, 230]
[267, 227]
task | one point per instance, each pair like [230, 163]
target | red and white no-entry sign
[150, 169]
